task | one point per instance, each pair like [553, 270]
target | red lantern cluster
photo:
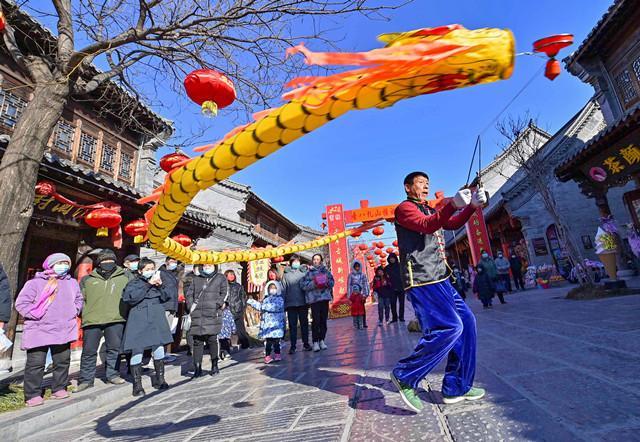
[210, 89]
[183, 240]
[378, 252]
[551, 46]
[136, 228]
[103, 220]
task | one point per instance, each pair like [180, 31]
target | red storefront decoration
[338, 253]
[210, 89]
[478, 235]
[103, 220]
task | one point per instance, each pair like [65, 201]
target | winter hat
[105, 255]
[131, 258]
[54, 258]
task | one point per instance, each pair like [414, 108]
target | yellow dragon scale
[413, 63]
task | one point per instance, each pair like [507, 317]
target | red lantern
[389, 249]
[103, 220]
[182, 239]
[170, 161]
[378, 231]
[356, 234]
[395, 243]
[3, 22]
[551, 46]
[363, 247]
[278, 259]
[136, 228]
[378, 252]
[45, 188]
[383, 255]
[210, 89]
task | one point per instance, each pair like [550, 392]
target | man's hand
[479, 198]
[462, 198]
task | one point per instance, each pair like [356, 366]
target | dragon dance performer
[447, 324]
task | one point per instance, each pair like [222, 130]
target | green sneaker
[408, 395]
[472, 395]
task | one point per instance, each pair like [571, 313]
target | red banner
[478, 235]
[339, 254]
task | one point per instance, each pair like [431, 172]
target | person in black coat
[394, 276]
[516, 270]
[484, 287]
[147, 326]
[238, 304]
[5, 298]
[207, 292]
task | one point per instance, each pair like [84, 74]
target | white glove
[462, 198]
[479, 198]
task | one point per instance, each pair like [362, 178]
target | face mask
[513, 256]
[231, 277]
[295, 265]
[500, 255]
[108, 266]
[133, 266]
[61, 269]
[208, 270]
[273, 292]
[147, 274]
[485, 255]
[172, 266]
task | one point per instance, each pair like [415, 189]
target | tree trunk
[19, 174]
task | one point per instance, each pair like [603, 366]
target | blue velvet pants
[449, 330]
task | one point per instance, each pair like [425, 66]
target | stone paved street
[554, 369]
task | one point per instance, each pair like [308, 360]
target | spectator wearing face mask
[295, 303]
[104, 314]
[237, 301]
[503, 266]
[488, 265]
[271, 320]
[130, 265]
[484, 288]
[516, 269]
[49, 304]
[171, 275]
[146, 327]
[205, 301]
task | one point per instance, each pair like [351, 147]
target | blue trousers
[449, 330]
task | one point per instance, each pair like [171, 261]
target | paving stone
[321, 415]
[316, 434]
[301, 400]
[517, 421]
[271, 422]
[627, 435]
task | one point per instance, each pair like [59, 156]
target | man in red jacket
[448, 326]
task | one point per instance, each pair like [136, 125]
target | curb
[22, 423]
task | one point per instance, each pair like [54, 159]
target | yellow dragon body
[411, 64]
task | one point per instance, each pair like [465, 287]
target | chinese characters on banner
[478, 236]
[614, 161]
[339, 255]
[258, 272]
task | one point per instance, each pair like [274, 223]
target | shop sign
[259, 272]
[615, 163]
[54, 209]
[339, 255]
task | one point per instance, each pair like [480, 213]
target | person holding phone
[147, 326]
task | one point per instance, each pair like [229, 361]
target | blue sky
[366, 154]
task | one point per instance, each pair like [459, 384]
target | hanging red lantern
[182, 239]
[390, 250]
[278, 259]
[378, 231]
[395, 243]
[383, 255]
[378, 252]
[356, 234]
[210, 89]
[363, 247]
[103, 220]
[136, 228]
[551, 46]
[170, 161]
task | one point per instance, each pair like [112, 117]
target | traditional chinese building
[607, 168]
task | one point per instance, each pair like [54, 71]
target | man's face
[419, 190]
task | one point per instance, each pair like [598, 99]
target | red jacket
[357, 304]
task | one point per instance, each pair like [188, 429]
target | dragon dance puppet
[413, 63]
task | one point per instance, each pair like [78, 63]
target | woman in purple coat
[49, 303]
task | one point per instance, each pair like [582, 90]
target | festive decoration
[183, 240]
[136, 228]
[3, 21]
[210, 89]
[551, 46]
[363, 247]
[103, 220]
[395, 243]
[378, 252]
[390, 250]
[606, 245]
[356, 234]
[278, 259]
[172, 161]
[413, 63]
[378, 231]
